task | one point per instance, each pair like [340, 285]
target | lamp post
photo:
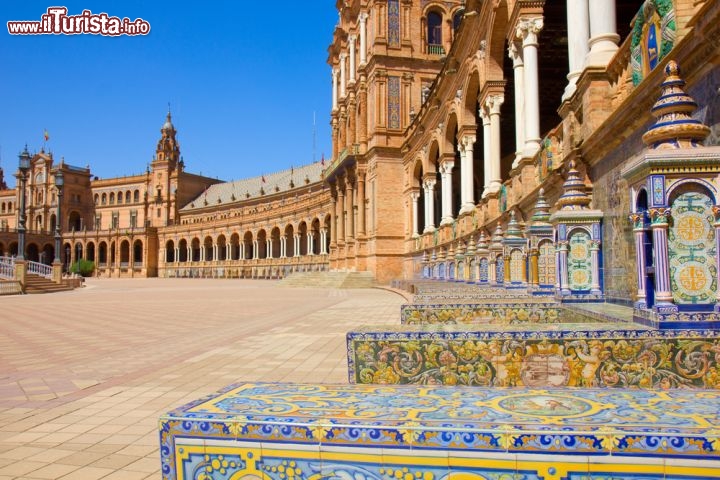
[57, 263]
[24, 166]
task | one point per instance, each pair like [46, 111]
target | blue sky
[242, 85]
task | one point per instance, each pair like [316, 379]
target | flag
[46, 135]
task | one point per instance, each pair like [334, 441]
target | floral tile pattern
[284, 432]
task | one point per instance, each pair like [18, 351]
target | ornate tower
[165, 168]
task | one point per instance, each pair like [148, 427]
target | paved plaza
[84, 375]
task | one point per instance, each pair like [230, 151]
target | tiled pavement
[85, 375]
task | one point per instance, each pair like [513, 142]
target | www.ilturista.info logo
[57, 22]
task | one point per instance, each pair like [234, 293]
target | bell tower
[166, 166]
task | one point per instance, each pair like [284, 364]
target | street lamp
[59, 182]
[24, 166]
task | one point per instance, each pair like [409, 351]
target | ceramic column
[519, 77]
[563, 268]
[659, 218]
[446, 172]
[429, 206]
[534, 268]
[595, 266]
[603, 32]
[578, 27]
[494, 103]
[638, 220]
[485, 116]
[716, 213]
[415, 196]
[506, 265]
[467, 174]
[528, 30]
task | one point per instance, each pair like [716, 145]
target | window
[133, 219]
[434, 33]
[115, 220]
[136, 196]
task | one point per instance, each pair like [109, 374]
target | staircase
[330, 280]
[37, 284]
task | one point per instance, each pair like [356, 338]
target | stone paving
[84, 375]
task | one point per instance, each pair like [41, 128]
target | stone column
[415, 196]
[519, 77]
[283, 246]
[310, 242]
[296, 245]
[494, 103]
[341, 214]
[242, 250]
[323, 241]
[268, 248]
[333, 220]
[351, 138]
[363, 37]
[528, 30]
[595, 266]
[256, 250]
[429, 186]
[485, 116]
[638, 220]
[659, 218]
[343, 75]
[177, 254]
[578, 26]
[467, 146]
[361, 203]
[603, 33]
[334, 89]
[349, 209]
[506, 264]
[352, 39]
[446, 167]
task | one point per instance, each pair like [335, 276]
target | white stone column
[429, 185]
[352, 40]
[228, 251]
[268, 248]
[415, 196]
[343, 75]
[519, 77]
[485, 116]
[242, 250]
[467, 175]
[177, 255]
[323, 241]
[528, 30]
[334, 89]
[202, 253]
[256, 250]
[310, 241]
[215, 253]
[603, 33]
[363, 37]
[595, 267]
[494, 104]
[282, 246]
[446, 167]
[296, 244]
[578, 25]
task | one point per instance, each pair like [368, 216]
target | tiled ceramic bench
[536, 355]
[490, 313]
[354, 432]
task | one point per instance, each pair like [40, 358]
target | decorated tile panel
[298, 431]
[573, 357]
[490, 313]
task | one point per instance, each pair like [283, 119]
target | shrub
[83, 267]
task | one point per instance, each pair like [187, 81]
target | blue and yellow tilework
[355, 432]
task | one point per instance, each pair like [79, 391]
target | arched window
[138, 253]
[112, 198]
[434, 33]
[104, 198]
[120, 197]
[136, 196]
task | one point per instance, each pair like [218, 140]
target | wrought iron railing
[435, 49]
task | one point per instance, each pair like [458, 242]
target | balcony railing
[7, 268]
[435, 49]
[40, 269]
